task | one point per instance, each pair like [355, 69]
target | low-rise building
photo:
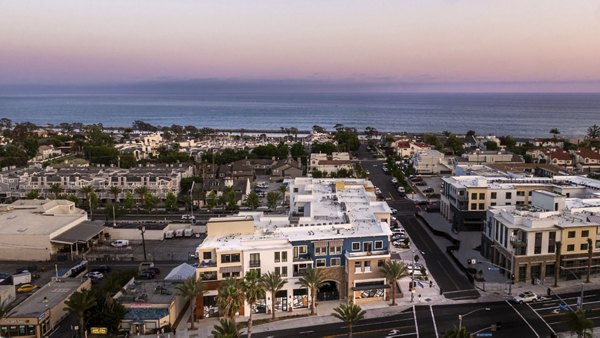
[587, 160]
[40, 313]
[334, 225]
[430, 162]
[328, 164]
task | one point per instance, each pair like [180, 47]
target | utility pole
[143, 230]
[114, 218]
[192, 202]
[557, 264]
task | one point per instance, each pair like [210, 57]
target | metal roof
[82, 232]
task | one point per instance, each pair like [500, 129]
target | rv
[188, 232]
[179, 233]
[169, 234]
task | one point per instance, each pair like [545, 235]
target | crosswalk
[553, 311]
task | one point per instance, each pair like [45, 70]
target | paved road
[453, 281]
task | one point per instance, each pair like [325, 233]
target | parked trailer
[188, 232]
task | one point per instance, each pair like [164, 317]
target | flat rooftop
[47, 297]
[155, 292]
[38, 217]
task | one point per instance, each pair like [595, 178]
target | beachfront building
[525, 240]
[328, 164]
[334, 224]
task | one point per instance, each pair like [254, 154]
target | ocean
[519, 115]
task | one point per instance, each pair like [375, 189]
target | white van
[188, 232]
[179, 233]
[121, 243]
[169, 234]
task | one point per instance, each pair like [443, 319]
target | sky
[553, 44]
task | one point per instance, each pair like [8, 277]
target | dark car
[428, 190]
[421, 183]
[102, 268]
[153, 269]
[145, 275]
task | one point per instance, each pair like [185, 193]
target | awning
[337, 242]
[320, 244]
[80, 233]
[230, 269]
[370, 287]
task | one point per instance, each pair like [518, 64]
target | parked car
[121, 243]
[428, 190]
[525, 297]
[145, 276]
[154, 270]
[421, 183]
[94, 275]
[102, 268]
[28, 287]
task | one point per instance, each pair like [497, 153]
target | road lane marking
[373, 331]
[305, 332]
[377, 323]
[525, 320]
[545, 322]
[434, 324]
[415, 317]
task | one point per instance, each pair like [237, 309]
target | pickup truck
[525, 297]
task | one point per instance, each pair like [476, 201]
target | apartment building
[525, 240]
[430, 162]
[330, 163]
[334, 224]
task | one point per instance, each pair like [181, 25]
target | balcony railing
[207, 264]
[517, 243]
[367, 253]
[209, 276]
[302, 258]
[254, 264]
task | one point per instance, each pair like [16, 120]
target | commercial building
[39, 314]
[334, 224]
[41, 230]
[525, 239]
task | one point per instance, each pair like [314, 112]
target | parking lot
[176, 249]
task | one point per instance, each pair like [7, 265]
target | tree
[254, 290]
[593, 132]
[4, 309]
[78, 304]
[471, 133]
[230, 297]
[578, 322]
[211, 200]
[252, 200]
[312, 279]
[554, 132]
[282, 190]
[107, 312]
[170, 202]
[394, 270]
[31, 145]
[115, 191]
[32, 195]
[73, 198]
[457, 332]
[273, 282]
[226, 328]
[191, 289]
[350, 314]
[129, 202]
[142, 192]
[491, 145]
[298, 150]
[150, 202]
[272, 198]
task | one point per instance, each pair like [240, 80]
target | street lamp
[412, 277]
[192, 202]
[143, 230]
[460, 317]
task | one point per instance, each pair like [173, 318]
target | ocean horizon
[516, 114]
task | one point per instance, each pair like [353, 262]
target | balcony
[362, 254]
[303, 258]
[517, 243]
[254, 264]
[208, 276]
[207, 263]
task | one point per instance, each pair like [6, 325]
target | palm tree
[312, 279]
[394, 270]
[578, 322]
[254, 290]
[554, 132]
[115, 191]
[4, 309]
[56, 189]
[593, 132]
[230, 297]
[191, 289]
[273, 282]
[78, 304]
[282, 190]
[458, 332]
[141, 192]
[226, 328]
[350, 314]
[87, 191]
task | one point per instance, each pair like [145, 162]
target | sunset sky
[412, 41]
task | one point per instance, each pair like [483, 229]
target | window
[537, 248]
[571, 247]
[508, 195]
[481, 206]
[231, 274]
[367, 266]
[320, 250]
[321, 262]
[335, 250]
[583, 246]
[473, 206]
[367, 246]
[355, 246]
[284, 271]
[257, 271]
[378, 245]
[230, 258]
[335, 261]
[585, 233]
[206, 255]
[493, 195]
[357, 267]
[571, 234]
[493, 204]
[530, 193]
[551, 242]
[277, 258]
[481, 196]
[284, 256]
[380, 263]
[300, 250]
[474, 196]
[520, 193]
[254, 259]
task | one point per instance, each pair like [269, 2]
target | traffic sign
[493, 269]
[484, 334]
[99, 330]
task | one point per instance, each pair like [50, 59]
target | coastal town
[183, 231]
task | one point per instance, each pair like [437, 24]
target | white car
[525, 297]
[94, 275]
[121, 243]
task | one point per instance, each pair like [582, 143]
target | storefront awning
[80, 233]
[370, 287]
[230, 269]
[320, 244]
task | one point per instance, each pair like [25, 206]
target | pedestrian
[419, 297]
[430, 283]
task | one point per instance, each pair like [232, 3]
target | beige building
[39, 314]
[330, 163]
[40, 230]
